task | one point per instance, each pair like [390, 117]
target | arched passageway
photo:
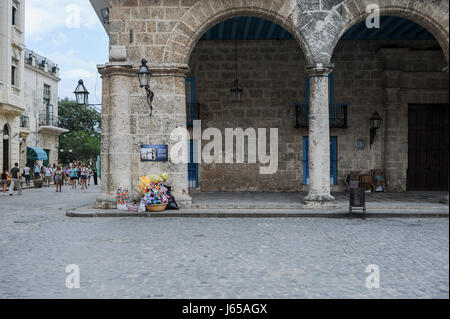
[270, 68]
[396, 71]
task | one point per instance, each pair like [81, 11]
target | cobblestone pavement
[217, 258]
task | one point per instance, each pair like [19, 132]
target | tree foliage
[84, 136]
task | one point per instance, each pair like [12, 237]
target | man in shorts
[15, 180]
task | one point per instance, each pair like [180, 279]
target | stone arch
[202, 16]
[432, 16]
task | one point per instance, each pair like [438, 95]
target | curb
[246, 214]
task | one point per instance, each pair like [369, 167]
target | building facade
[312, 69]
[12, 102]
[40, 122]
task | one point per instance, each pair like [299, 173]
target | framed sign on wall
[154, 153]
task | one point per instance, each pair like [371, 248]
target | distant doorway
[6, 147]
[428, 147]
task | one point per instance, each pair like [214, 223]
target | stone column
[319, 135]
[127, 124]
[116, 165]
[395, 122]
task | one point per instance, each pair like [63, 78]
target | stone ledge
[88, 212]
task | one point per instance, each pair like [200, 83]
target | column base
[319, 201]
[445, 200]
[319, 198]
[184, 201]
[105, 201]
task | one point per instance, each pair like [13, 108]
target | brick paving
[213, 258]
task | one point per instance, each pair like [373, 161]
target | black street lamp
[144, 75]
[81, 94]
[375, 124]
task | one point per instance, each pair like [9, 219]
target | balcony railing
[338, 115]
[24, 121]
[192, 112]
[49, 120]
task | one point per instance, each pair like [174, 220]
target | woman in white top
[48, 175]
[26, 173]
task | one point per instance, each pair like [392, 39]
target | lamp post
[82, 95]
[375, 124]
[144, 75]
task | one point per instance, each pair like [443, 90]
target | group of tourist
[74, 174]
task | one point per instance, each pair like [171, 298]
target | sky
[69, 33]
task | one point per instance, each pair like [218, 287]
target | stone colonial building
[40, 124]
[310, 68]
[28, 95]
[12, 102]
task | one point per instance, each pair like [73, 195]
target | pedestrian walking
[78, 173]
[73, 177]
[66, 175]
[4, 179]
[48, 175]
[83, 175]
[95, 176]
[26, 174]
[15, 180]
[90, 174]
[58, 177]
[37, 170]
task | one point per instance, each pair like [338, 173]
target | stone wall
[273, 78]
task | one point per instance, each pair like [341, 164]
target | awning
[36, 154]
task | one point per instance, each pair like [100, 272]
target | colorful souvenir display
[156, 194]
[122, 198]
[145, 182]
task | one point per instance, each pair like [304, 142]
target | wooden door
[428, 147]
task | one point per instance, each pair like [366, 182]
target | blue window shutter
[305, 160]
[191, 100]
[192, 167]
[333, 160]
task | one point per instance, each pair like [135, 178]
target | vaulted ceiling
[254, 28]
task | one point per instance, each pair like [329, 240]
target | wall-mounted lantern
[375, 124]
[144, 81]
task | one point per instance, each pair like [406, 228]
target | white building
[40, 124]
[29, 124]
[12, 102]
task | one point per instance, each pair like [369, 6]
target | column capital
[319, 69]
[115, 68]
[169, 69]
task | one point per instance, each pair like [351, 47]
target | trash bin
[358, 199]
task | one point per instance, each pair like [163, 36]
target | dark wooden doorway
[5, 147]
[428, 147]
